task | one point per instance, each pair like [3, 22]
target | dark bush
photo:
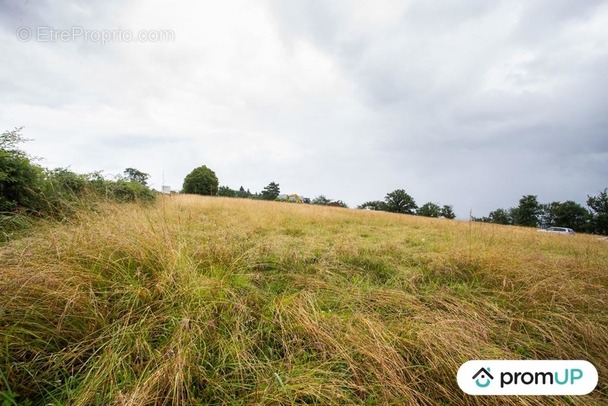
[27, 190]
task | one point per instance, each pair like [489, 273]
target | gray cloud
[472, 103]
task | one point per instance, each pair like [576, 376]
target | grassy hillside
[208, 300]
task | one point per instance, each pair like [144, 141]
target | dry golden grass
[207, 300]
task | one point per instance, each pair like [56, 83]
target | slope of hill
[208, 300]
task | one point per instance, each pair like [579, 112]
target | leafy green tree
[547, 215]
[429, 209]
[271, 192]
[19, 177]
[599, 206]
[134, 175]
[447, 211]
[242, 193]
[226, 192]
[528, 212]
[398, 201]
[569, 214]
[201, 181]
[500, 216]
[9, 141]
[321, 200]
[373, 205]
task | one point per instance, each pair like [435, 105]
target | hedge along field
[197, 300]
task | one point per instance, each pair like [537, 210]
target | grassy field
[200, 300]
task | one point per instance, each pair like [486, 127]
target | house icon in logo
[484, 375]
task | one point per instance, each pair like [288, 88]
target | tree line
[29, 189]
[531, 213]
[399, 201]
[204, 181]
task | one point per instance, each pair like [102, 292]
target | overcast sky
[470, 103]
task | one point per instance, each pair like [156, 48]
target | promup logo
[483, 375]
[553, 377]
